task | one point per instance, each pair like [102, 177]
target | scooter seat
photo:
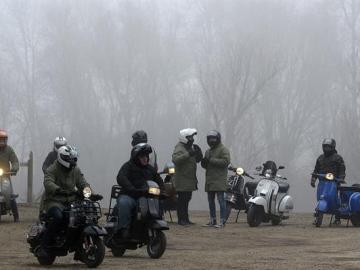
[283, 187]
[350, 188]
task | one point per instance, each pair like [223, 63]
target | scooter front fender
[259, 201]
[322, 206]
[95, 230]
[159, 224]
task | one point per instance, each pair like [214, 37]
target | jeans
[125, 208]
[221, 199]
[184, 198]
[56, 221]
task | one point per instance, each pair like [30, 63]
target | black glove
[191, 151]
[198, 153]
[205, 162]
[96, 197]
[62, 192]
[313, 181]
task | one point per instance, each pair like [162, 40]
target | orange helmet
[3, 138]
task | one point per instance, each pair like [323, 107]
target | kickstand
[237, 216]
[331, 220]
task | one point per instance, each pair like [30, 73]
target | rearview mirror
[258, 168]
[281, 167]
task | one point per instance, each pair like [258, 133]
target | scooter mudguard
[259, 201]
[95, 230]
[159, 224]
[286, 204]
[322, 206]
[154, 209]
[354, 202]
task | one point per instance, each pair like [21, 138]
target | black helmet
[139, 136]
[213, 138]
[141, 148]
[269, 167]
[329, 146]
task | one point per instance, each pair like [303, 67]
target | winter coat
[49, 160]
[8, 159]
[185, 168]
[216, 168]
[132, 176]
[330, 164]
[58, 177]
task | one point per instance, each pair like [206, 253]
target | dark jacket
[330, 164]
[8, 159]
[132, 177]
[50, 159]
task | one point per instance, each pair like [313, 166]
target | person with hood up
[140, 136]
[216, 162]
[186, 155]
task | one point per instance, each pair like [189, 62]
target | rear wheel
[118, 252]
[93, 251]
[255, 215]
[355, 220]
[157, 244]
[275, 221]
[318, 219]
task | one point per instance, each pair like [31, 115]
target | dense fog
[274, 77]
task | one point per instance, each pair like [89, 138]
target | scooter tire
[355, 220]
[98, 253]
[156, 253]
[255, 215]
[47, 260]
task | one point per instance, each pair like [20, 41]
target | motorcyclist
[61, 180]
[50, 159]
[9, 163]
[329, 162]
[215, 162]
[140, 136]
[132, 178]
[185, 156]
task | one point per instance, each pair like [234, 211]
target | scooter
[146, 228]
[82, 234]
[271, 201]
[7, 198]
[336, 200]
[238, 192]
[170, 203]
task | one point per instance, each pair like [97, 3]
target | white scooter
[271, 201]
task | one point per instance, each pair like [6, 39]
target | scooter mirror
[258, 168]
[281, 167]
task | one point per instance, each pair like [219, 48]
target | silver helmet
[67, 156]
[58, 142]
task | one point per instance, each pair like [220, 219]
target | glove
[62, 192]
[96, 197]
[198, 153]
[205, 162]
[191, 151]
[313, 181]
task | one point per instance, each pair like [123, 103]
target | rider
[50, 159]
[185, 156]
[132, 178]
[216, 162]
[9, 163]
[140, 136]
[60, 181]
[330, 162]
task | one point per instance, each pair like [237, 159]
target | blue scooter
[333, 199]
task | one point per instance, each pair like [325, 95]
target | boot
[221, 224]
[14, 210]
[211, 223]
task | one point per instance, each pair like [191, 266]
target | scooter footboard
[354, 202]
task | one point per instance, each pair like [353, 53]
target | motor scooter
[336, 200]
[8, 203]
[271, 201]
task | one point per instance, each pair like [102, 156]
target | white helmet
[184, 133]
[58, 142]
[67, 156]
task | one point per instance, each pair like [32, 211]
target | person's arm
[49, 182]
[159, 181]
[47, 162]
[180, 155]
[81, 183]
[341, 168]
[123, 178]
[222, 161]
[14, 161]
[205, 160]
[317, 166]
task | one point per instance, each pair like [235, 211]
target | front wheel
[93, 251]
[355, 220]
[255, 215]
[157, 244]
[318, 219]
[46, 260]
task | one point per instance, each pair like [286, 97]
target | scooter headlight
[171, 170]
[329, 176]
[87, 192]
[1, 172]
[240, 171]
[154, 191]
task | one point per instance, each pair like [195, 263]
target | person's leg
[222, 203]
[181, 203]
[212, 209]
[187, 199]
[125, 206]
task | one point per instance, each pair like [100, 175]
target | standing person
[330, 162]
[9, 163]
[215, 162]
[185, 156]
[140, 136]
[49, 160]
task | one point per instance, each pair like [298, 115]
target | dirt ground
[295, 244]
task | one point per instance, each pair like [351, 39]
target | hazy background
[274, 77]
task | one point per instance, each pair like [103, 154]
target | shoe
[183, 223]
[220, 225]
[211, 223]
[190, 222]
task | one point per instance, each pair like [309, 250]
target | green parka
[57, 177]
[8, 159]
[185, 169]
[216, 168]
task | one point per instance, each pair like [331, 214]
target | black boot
[14, 210]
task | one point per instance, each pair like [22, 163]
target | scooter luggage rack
[84, 209]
